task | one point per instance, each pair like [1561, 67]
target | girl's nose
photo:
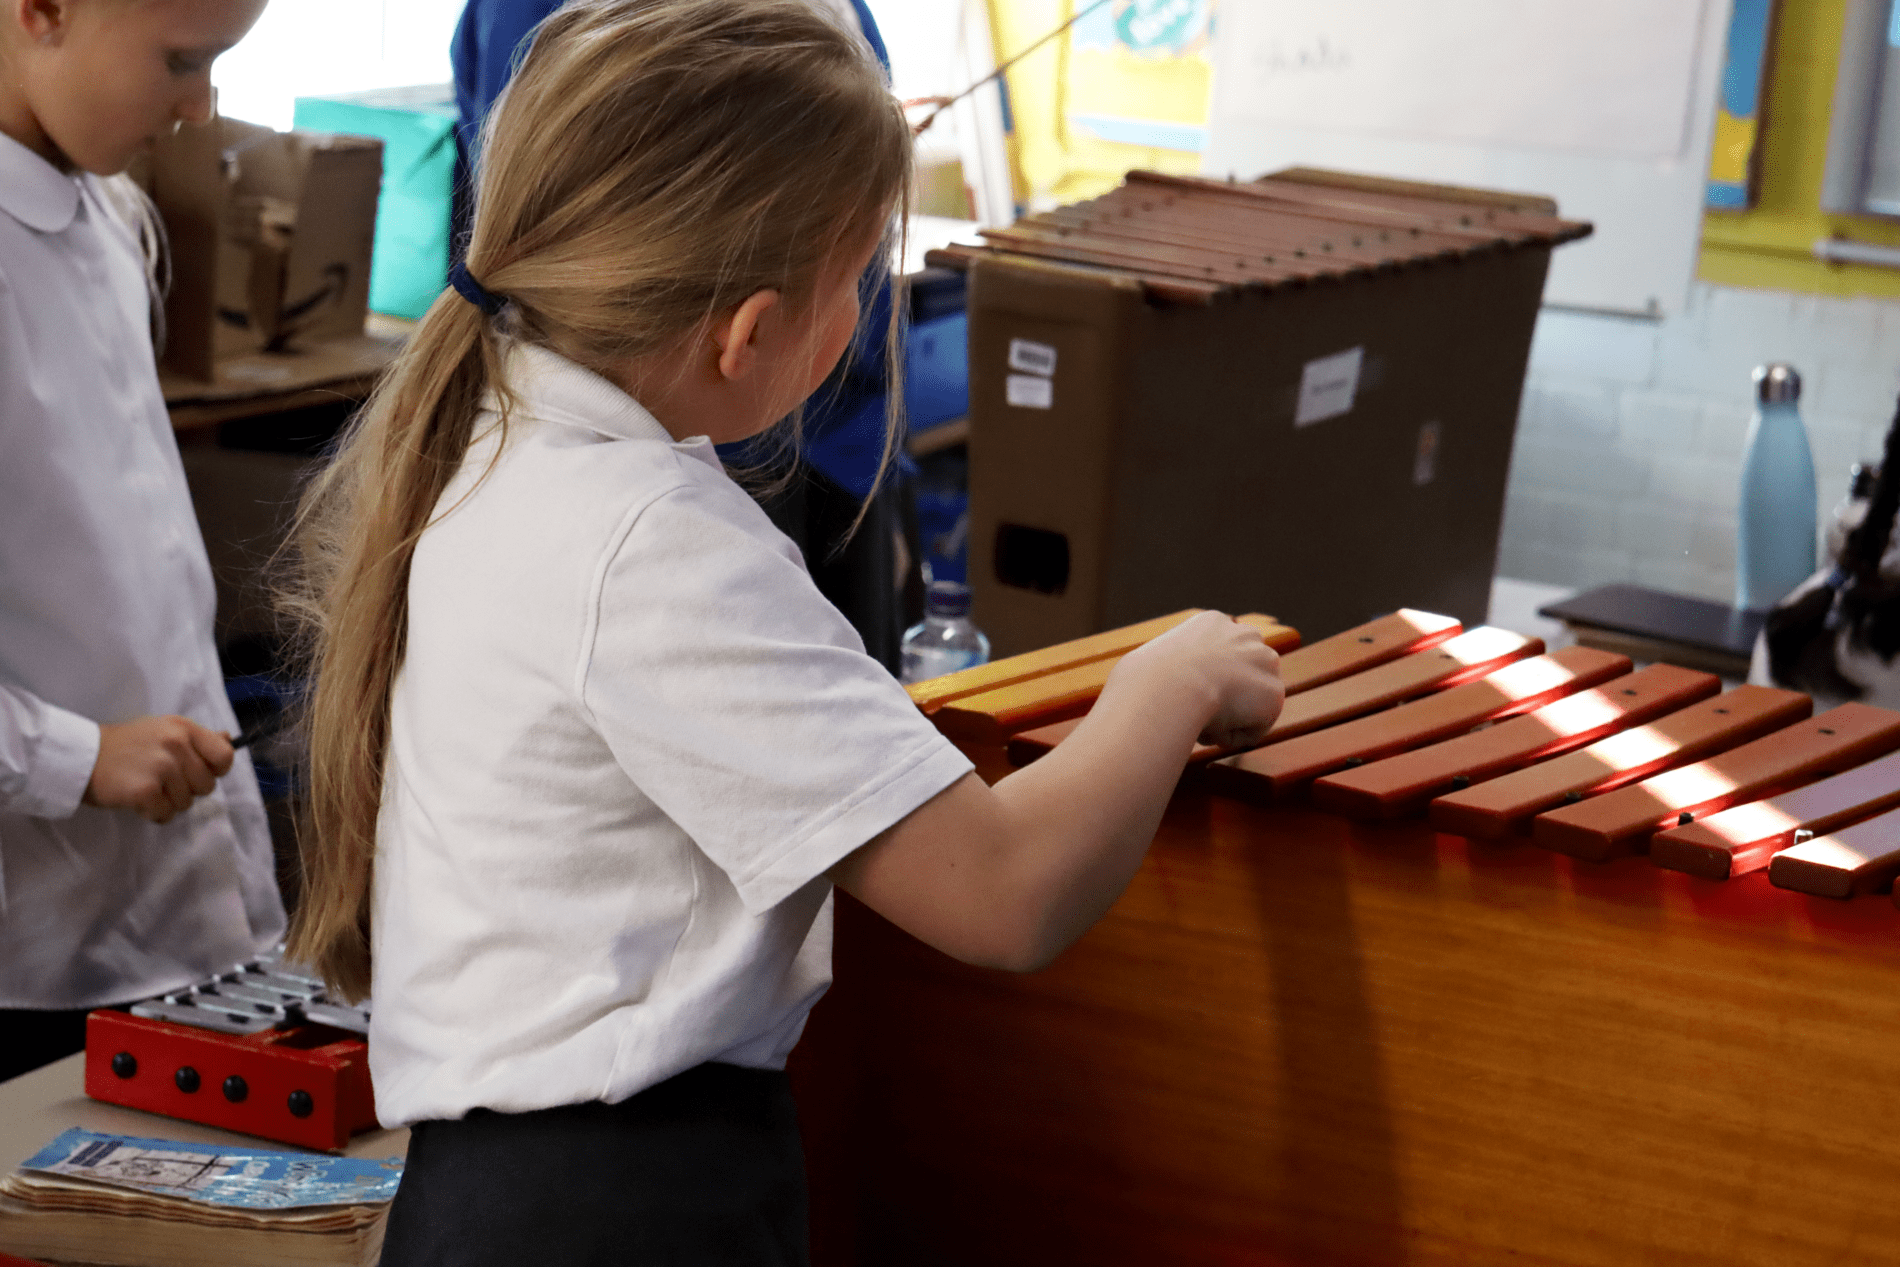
[200, 105]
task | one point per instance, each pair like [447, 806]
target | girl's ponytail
[653, 163]
[354, 537]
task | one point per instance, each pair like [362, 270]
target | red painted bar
[1744, 839]
[1622, 821]
[1505, 806]
[1862, 858]
[1400, 786]
[1282, 769]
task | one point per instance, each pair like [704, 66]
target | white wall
[1629, 443]
[306, 48]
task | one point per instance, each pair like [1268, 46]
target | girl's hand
[156, 766]
[1216, 659]
[1008, 876]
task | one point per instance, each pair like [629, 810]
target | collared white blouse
[106, 607]
[628, 739]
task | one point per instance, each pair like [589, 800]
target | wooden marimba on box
[1488, 956]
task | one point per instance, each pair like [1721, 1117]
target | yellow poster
[1127, 87]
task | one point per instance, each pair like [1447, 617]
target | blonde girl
[588, 748]
[134, 853]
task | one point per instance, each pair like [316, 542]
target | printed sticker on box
[1032, 358]
[1025, 391]
[1327, 387]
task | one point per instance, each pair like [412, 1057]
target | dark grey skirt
[704, 1169]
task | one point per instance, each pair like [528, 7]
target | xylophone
[261, 1048]
[1486, 956]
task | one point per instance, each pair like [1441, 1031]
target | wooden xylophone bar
[1320, 1027]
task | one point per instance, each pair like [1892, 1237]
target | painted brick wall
[1629, 444]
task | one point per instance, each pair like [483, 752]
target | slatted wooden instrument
[1487, 956]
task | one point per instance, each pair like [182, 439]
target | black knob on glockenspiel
[300, 1103]
[186, 1079]
[1460, 782]
[235, 1089]
[125, 1064]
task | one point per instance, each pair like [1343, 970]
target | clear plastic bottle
[945, 641]
[1774, 549]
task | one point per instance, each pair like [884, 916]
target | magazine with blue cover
[234, 1178]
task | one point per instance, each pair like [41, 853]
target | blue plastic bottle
[1774, 549]
[945, 641]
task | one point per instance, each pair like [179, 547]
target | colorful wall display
[1735, 162]
[1127, 87]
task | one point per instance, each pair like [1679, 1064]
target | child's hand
[1009, 875]
[156, 766]
[1225, 663]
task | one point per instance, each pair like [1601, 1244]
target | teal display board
[417, 128]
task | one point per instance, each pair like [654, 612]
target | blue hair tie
[473, 291]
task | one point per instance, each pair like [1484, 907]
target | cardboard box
[271, 236]
[1294, 397]
[417, 128]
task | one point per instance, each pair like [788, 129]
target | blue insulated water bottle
[1774, 550]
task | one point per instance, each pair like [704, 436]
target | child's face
[104, 78]
[823, 331]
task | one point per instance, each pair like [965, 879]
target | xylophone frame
[1299, 1039]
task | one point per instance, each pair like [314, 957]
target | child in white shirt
[588, 748]
[134, 853]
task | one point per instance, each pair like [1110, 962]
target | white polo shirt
[106, 610]
[628, 739]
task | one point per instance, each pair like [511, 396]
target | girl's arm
[1008, 876]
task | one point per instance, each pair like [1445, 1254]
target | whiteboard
[1608, 106]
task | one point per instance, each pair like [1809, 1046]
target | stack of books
[131, 1202]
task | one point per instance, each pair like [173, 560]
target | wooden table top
[269, 382]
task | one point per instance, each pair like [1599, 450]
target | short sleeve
[742, 703]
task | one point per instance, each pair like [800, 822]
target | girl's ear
[737, 334]
[42, 20]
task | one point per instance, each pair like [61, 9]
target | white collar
[33, 191]
[555, 389]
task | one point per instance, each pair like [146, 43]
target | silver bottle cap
[1776, 384]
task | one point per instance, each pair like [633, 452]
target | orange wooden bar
[1355, 650]
[1743, 839]
[992, 716]
[1400, 786]
[1862, 858]
[938, 691]
[1281, 769]
[1505, 806]
[1622, 821]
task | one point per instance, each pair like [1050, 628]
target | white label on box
[1027, 392]
[1327, 387]
[1032, 358]
[1425, 460]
